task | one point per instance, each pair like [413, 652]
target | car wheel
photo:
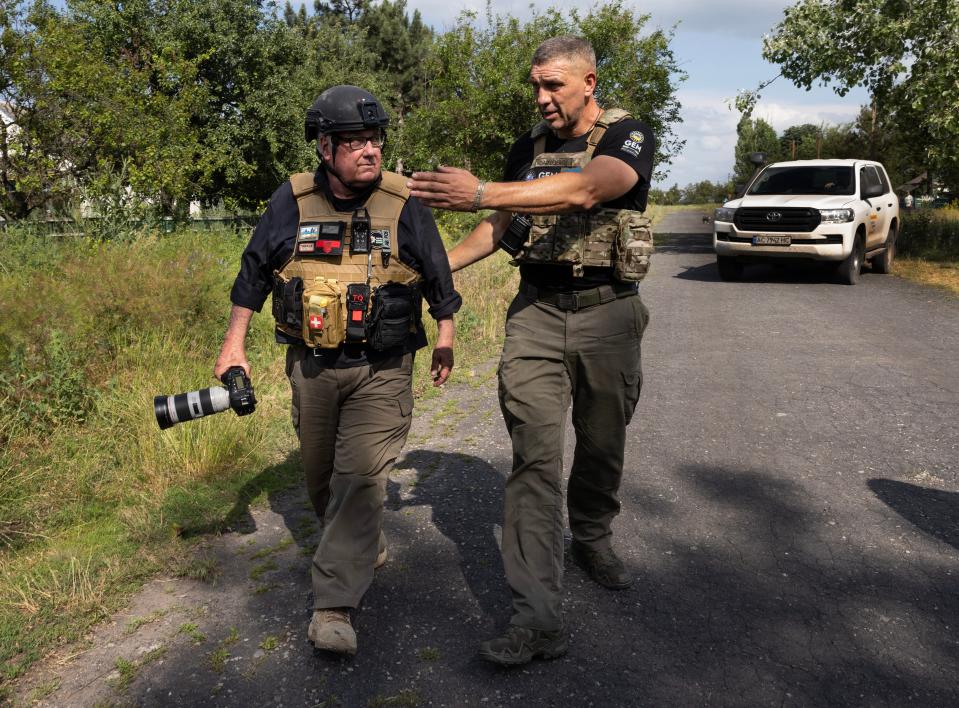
[730, 268]
[883, 262]
[849, 269]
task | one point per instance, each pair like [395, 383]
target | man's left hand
[442, 365]
[448, 188]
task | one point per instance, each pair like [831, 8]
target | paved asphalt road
[790, 510]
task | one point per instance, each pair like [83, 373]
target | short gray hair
[564, 48]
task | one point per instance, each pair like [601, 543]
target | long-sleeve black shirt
[420, 247]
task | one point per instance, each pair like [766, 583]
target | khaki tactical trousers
[352, 424]
[552, 358]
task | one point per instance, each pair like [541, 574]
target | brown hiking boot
[604, 566]
[331, 630]
[521, 645]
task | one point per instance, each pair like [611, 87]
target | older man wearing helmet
[348, 256]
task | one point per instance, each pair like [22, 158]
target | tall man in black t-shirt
[572, 333]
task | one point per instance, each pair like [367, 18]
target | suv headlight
[836, 216]
[724, 214]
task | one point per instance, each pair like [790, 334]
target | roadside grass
[94, 498]
[928, 248]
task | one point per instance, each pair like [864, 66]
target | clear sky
[719, 45]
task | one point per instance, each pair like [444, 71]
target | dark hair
[564, 48]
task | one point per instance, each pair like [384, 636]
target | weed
[259, 570]
[134, 623]
[40, 692]
[152, 656]
[429, 653]
[407, 698]
[269, 643]
[191, 629]
[265, 588]
[263, 553]
[217, 659]
[232, 638]
[200, 568]
[126, 670]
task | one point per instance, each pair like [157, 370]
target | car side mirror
[873, 190]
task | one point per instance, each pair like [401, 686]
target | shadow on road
[747, 591]
[933, 511]
[684, 243]
[465, 495]
[278, 481]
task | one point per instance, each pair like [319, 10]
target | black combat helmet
[343, 108]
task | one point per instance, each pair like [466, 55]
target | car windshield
[805, 180]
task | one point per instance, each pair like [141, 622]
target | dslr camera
[181, 407]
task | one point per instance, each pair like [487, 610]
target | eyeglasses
[358, 143]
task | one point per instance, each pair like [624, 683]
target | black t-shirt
[629, 140]
[271, 245]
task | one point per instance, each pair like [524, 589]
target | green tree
[803, 141]
[905, 53]
[753, 136]
[479, 101]
[704, 192]
[665, 197]
[80, 114]
[401, 44]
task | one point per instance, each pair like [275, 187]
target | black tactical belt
[571, 301]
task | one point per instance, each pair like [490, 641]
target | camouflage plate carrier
[323, 261]
[616, 238]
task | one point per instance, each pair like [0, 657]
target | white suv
[826, 210]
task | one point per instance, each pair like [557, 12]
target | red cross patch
[316, 322]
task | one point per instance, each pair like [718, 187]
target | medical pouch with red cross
[324, 323]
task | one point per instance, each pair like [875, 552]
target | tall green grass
[94, 498]
[90, 332]
[931, 234]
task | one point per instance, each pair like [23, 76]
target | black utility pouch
[288, 302]
[394, 310]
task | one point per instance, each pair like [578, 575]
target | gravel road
[790, 509]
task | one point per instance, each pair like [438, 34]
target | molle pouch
[634, 246]
[288, 302]
[357, 303]
[393, 315]
[539, 243]
[324, 314]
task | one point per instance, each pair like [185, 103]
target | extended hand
[448, 188]
[442, 365]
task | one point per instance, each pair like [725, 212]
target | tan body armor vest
[323, 260]
[616, 238]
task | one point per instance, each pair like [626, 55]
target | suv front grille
[794, 219]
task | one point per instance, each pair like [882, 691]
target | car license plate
[771, 240]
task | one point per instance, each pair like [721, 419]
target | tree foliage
[154, 103]
[478, 99]
[754, 135]
[905, 53]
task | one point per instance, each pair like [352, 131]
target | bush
[930, 233]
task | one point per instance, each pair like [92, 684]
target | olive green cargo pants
[551, 358]
[352, 424]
